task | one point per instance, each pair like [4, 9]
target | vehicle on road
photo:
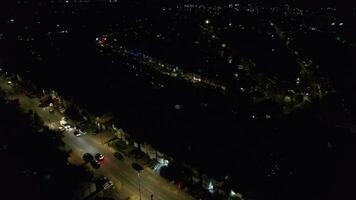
[99, 157]
[137, 167]
[87, 157]
[95, 164]
[119, 156]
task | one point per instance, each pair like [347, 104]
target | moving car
[99, 157]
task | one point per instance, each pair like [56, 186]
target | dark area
[32, 160]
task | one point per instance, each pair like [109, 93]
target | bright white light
[63, 122]
[161, 163]
[211, 187]
[230, 60]
[207, 21]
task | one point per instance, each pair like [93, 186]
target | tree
[73, 112]
[34, 160]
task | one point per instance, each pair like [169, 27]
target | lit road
[119, 172]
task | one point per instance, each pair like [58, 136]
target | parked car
[95, 163]
[87, 157]
[137, 167]
[119, 156]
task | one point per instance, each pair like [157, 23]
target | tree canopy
[34, 167]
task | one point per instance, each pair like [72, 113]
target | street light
[138, 169]
[139, 184]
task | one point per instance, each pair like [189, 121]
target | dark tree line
[33, 167]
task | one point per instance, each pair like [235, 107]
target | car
[77, 133]
[137, 167]
[87, 157]
[99, 157]
[119, 156]
[95, 164]
[61, 128]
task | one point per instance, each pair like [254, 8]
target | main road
[119, 172]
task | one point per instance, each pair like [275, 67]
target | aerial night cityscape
[178, 100]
